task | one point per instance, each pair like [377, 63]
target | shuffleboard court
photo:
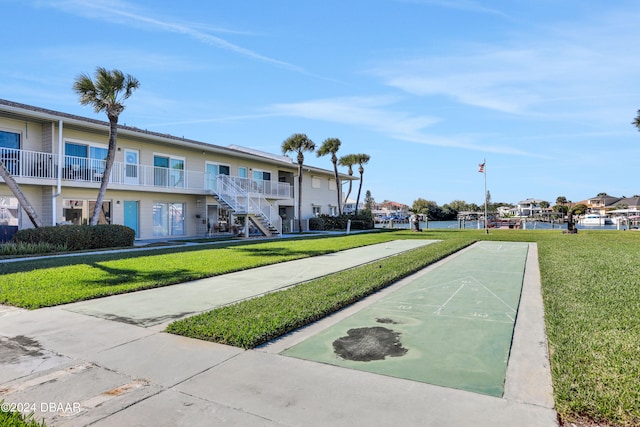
[451, 327]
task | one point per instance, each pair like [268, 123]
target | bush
[364, 221]
[316, 223]
[78, 237]
[112, 236]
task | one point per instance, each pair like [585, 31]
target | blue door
[131, 215]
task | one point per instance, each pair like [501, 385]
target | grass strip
[37, 283]
[591, 291]
[256, 321]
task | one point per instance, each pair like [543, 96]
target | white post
[486, 219]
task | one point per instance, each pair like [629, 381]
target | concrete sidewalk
[106, 363]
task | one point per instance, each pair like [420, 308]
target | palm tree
[298, 143]
[348, 160]
[636, 121]
[362, 159]
[105, 93]
[331, 146]
[17, 192]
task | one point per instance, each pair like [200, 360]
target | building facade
[160, 185]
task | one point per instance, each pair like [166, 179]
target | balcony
[36, 165]
[30, 164]
[270, 189]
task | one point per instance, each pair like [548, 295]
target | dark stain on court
[367, 344]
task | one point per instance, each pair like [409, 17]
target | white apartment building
[160, 185]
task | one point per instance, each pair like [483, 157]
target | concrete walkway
[107, 363]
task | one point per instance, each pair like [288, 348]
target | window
[84, 161]
[261, 175]
[212, 172]
[9, 211]
[332, 185]
[168, 171]
[260, 180]
[242, 172]
[333, 210]
[168, 219]
[79, 211]
[317, 210]
[315, 182]
[10, 151]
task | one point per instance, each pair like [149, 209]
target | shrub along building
[160, 185]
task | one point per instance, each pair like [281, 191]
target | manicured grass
[591, 289]
[590, 284]
[256, 321]
[53, 281]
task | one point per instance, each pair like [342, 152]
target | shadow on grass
[94, 257]
[138, 279]
[252, 247]
[281, 252]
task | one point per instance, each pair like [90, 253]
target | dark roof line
[239, 150]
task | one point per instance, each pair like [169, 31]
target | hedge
[364, 221]
[78, 237]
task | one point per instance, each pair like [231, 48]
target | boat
[595, 219]
[624, 216]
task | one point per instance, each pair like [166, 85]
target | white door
[131, 167]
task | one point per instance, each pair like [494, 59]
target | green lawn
[53, 281]
[590, 281]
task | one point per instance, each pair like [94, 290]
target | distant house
[529, 207]
[627, 203]
[392, 208]
[601, 203]
[349, 206]
[503, 211]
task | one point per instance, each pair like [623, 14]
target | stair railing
[250, 203]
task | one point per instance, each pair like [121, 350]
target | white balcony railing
[266, 188]
[32, 164]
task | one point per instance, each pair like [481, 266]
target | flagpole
[486, 219]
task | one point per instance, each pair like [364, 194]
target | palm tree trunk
[17, 192]
[359, 191]
[334, 159]
[350, 172]
[300, 197]
[111, 155]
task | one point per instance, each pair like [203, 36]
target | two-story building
[160, 185]
[527, 208]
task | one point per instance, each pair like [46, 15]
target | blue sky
[544, 90]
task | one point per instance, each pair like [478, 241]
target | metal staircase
[253, 205]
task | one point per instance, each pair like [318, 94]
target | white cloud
[378, 114]
[360, 111]
[530, 72]
[126, 14]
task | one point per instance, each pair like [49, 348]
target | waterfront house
[601, 203]
[527, 208]
[160, 186]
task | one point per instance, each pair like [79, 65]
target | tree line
[300, 143]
